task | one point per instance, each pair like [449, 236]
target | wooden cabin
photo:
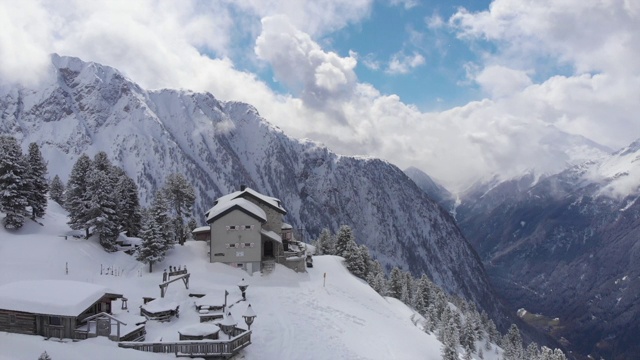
[51, 308]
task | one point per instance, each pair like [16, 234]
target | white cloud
[401, 63]
[169, 44]
[318, 77]
[407, 4]
[500, 81]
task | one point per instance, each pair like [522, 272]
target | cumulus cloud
[401, 63]
[522, 124]
[318, 77]
[500, 81]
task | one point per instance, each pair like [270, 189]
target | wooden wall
[25, 322]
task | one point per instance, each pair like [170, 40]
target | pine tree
[180, 197]
[161, 220]
[152, 249]
[468, 336]
[56, 190]
[395, 283]
[512, 344]
[101, 212]
[77, 198]
[128, 205]
[376, 278]
[448, 335]
[354, 260]
[326, 243]
[344, 236]
[44, 356]
[38, 186]
[14, 186]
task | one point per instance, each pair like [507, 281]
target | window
[246, 245]
[232, 246]
[218, 254]
[12, 319]
[247, 227]
[239, 253]
[55, 320]
[232, 227]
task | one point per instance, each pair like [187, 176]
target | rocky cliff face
[87, 107]
[568, 246]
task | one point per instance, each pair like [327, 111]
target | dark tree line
[101, 200]
[457, 324]
[23, 184]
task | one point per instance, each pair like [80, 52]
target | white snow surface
[56, 297]
[247, 205]
[299, 315]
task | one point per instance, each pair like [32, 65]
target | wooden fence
[206, 348]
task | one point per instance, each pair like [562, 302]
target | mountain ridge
[219, 145]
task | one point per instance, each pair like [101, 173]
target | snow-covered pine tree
[101, 213]
[152, 248]
[423, 294]
[56, 190]
[512, 344]
[396, 279]
[76, 200]
[14, 187]
[448, 335]
[180, 197]
[38, 185]
[468, 337]
[161, 220]
[376, 278]
[128, 205]
[366, 259]
[342, 239]
[44, 356]
[354, 259]
[326, 243]
[191, 225]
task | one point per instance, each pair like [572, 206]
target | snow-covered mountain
[567, 246]
[435, 191]
[87, 107]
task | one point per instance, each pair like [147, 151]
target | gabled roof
[271, 235]
[225, 207]
[271, 202]
[54, 297]
[201, 229]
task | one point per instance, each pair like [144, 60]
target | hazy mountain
[87, 107]
[568, 246]
[435, 191]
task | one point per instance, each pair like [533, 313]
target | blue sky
[465, 90]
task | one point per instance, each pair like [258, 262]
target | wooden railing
[224, 348]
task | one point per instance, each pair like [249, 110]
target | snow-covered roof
[268, 200]
[223, 207]
[271, 235]
[160, 305]
[55, 297]
[201, 329]
[286, 226]
[213, 299]
[201, 229]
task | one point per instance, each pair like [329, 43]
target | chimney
[243, 187]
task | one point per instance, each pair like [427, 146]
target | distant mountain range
[87, 107]
[567, 246]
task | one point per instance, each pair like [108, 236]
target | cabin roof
[225, 207]
[271, 235]
[248, 192]
[201, 229]
[54, 297]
